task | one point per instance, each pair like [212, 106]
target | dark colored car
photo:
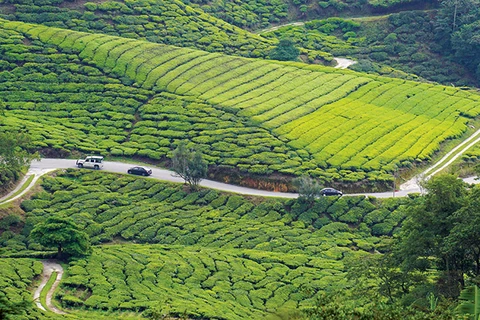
[330, 192]
[141, 171]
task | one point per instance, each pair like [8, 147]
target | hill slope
[352, 126]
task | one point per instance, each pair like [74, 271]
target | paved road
[44, 165]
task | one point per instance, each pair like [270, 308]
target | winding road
[46, 165]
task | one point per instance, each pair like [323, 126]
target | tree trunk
[59, 252]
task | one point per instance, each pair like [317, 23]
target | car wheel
[145, 174]
[129, 172]
[80, 165]
[96, 167]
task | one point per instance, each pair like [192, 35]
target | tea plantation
[336, 125]
[206, 253]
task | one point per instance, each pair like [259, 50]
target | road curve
[343, 63]
[49, 266]
[167, 175]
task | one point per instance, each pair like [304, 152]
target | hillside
[205, 253]
[336, 125]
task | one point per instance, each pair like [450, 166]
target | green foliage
[402, 45]
[15, 154]
[285, 51]
[62, 233]
[470, 302]
[307, 188]
[438, 233]
[264, 98]
[189, 165]
[169, 22]
[16, 276]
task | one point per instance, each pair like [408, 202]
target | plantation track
[167, 175]
[49, 267]
[37, 174]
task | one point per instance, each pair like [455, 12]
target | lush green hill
[352, 126]
[215, 255]
[402, 45]
[169, 22]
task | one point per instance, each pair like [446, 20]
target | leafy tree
[62, 233]
[426, 230]
[189, 165]
[390, 282]
[15, 153]
[477, 170]
[458, 30]
[308, 188]
[464, 237]
[285, 51]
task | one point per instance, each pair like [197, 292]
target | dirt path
[37, 173]
[298, 23]
[441, 164]
[343, 63]
[49, 266]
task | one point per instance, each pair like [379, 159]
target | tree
[308, 188]
[285, 51]
[423, 240]
[464, 237]
[62, 233]
[15, 153]
[189, 165]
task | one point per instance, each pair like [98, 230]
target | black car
[330, 192]
[141, 171]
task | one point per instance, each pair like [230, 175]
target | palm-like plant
[470, 304]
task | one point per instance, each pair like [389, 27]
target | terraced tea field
[206, 283]
[345, 126]
[206, 253]
[16, 276]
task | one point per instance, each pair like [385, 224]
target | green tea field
[336, 125]
[205, 253]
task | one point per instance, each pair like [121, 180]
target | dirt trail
[36, 173]
[49, 266]
[343, 63]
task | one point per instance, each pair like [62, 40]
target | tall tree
[189, 165]
[464, 237]
[457, 30]
[428, 225]
[308, 188]
[62, 233]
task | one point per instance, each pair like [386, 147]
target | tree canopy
[62, 233]
[15, 153]
[285, 51]
[440, 232]
[189, 165]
